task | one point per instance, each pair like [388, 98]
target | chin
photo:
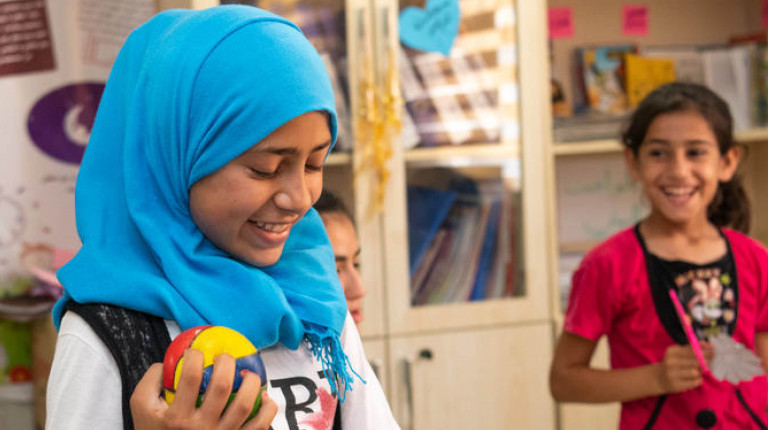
[264, 258]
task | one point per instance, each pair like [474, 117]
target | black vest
[135, 339]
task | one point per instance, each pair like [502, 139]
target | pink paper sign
[634, 20]
[561, 22]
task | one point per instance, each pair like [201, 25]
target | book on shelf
[688, 60]
[472, 251]
[727, 72]
[600, 78]
[644, 75]
[462, 263]
[589, 126]
[427, 209]
[437, 250]
[487, 252]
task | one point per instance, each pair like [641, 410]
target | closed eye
[263, 175]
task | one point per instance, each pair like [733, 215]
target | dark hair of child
[331, 203]
[730, 207]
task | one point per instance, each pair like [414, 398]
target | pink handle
[688, 330]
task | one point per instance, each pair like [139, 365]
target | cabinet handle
[407, 364]
[407, 383]
[426, 354]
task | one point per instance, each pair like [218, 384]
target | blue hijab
[190, 91]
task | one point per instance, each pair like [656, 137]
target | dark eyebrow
[687, 142]
[343, 258]
[287, 151]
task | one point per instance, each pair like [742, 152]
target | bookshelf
[586, 189]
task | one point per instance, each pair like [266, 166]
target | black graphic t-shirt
[708, 293]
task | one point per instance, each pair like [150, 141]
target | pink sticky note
[765, 14]
[561, 22]
[634, 20]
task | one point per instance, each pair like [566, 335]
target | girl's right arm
[573, 380]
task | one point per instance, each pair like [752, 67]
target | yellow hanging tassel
[379, 125]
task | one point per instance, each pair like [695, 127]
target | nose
[295, 193]
[679, 164]
[353, 285]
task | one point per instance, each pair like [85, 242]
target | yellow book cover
[644, 75]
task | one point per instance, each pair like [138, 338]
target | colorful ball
[212, 340]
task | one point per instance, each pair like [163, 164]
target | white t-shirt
[85, 392]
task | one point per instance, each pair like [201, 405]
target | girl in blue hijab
[194, 207]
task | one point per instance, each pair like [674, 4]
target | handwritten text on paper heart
[431, 29]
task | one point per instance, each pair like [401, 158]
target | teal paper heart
[433, 28]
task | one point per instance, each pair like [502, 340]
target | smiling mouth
[271, 227]
[678, 191]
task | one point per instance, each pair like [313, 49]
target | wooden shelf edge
[587, 147]
[339, 159]
[600, 146]
[496, 152]
[752, 135]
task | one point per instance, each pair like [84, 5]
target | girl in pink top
[679, 147]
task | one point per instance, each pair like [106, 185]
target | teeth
[678, 191]
[275, 228]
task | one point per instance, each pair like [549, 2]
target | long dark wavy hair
[730, 207]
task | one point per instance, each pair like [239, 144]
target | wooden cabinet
[491, 378]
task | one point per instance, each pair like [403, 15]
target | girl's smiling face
[247, 207]
[679, 165]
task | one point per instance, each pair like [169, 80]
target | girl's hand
[150, 410]
[680, 370]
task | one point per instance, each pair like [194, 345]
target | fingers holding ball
[213, 341]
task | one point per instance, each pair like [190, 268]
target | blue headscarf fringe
[326, 348]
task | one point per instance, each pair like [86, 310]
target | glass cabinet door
[457, 199]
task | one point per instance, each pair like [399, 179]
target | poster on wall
[55, 57]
